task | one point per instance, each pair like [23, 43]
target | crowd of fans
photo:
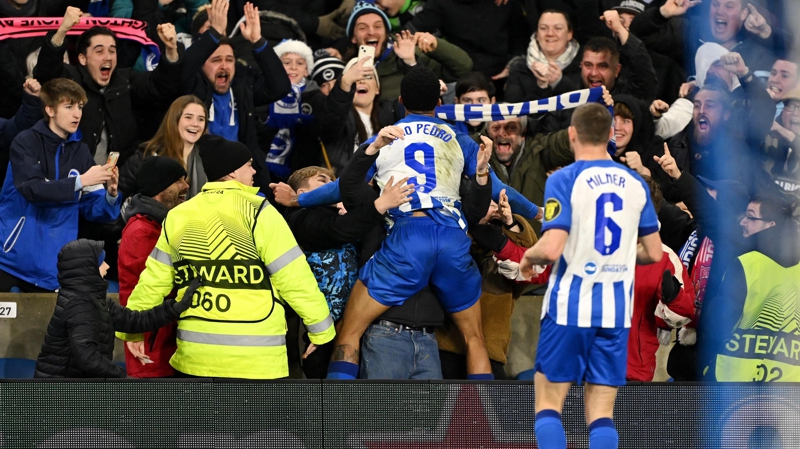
[706, 103]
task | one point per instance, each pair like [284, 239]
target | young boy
[80, 337]
[328, 237]
[51, 179]
[473, 88]
[288, 115]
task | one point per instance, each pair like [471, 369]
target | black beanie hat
[420, 89]
[156, 173]
[326, 67]
[221, 156]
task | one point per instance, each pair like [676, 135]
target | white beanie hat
[299, 48]
[353, 62]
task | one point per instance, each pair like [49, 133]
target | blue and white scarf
[285, 114]
[495, 112]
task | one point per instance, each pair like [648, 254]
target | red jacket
[649, 313]
[138, 239]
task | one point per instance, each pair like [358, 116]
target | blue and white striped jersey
[604, 207]
[434, 156]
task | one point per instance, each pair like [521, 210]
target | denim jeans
[390, 353]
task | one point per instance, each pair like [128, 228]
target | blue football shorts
[419, 251]
[582, 354]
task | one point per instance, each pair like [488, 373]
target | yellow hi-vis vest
[248, 258]
[765, 346]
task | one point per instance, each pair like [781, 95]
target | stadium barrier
[284, 414]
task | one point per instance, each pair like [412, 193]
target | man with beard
[600, 66]
[162, 184]
[522, 161]
[369, 26]
[210, 74]
[719, 143]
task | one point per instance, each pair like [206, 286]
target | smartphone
[113, 157]
[367, 50]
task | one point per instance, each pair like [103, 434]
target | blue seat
[12, 368]
[526, 375]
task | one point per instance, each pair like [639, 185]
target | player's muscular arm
[546, 251]
[649, 249]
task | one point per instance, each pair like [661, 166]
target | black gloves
[178, 307]
[670, 287]
[488, 237]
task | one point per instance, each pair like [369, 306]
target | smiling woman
[183, 125]
[551, 56]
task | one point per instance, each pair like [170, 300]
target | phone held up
[113, 157]
[367, 50]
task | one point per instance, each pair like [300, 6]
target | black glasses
[751, 218]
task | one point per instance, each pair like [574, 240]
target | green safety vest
[250, 264]
[765, 346]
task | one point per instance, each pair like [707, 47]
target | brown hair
[59, 90]
[361, 130]
[299, 179]
[592, 123]
[622, 110]
[655, 192]
[167, 140]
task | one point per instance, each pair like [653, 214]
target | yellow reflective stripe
[231, 340]
[285, 259]
[322, 326]
[161, 256]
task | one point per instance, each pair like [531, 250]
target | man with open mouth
[113, 93]
[211, 74]
[600, 66]
[369, 26]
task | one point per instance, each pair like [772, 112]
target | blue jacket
[39, 206]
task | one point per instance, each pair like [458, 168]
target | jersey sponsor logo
[552, 209]
[232, 274]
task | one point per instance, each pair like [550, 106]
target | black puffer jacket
[80, 337]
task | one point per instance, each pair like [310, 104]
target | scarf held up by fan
[285, 114]
[496, 112]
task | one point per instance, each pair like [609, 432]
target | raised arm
[272, 84]
[50, 64]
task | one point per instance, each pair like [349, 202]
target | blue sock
[603, 434]
[488, 376]
[549, 430]
[342, 370]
